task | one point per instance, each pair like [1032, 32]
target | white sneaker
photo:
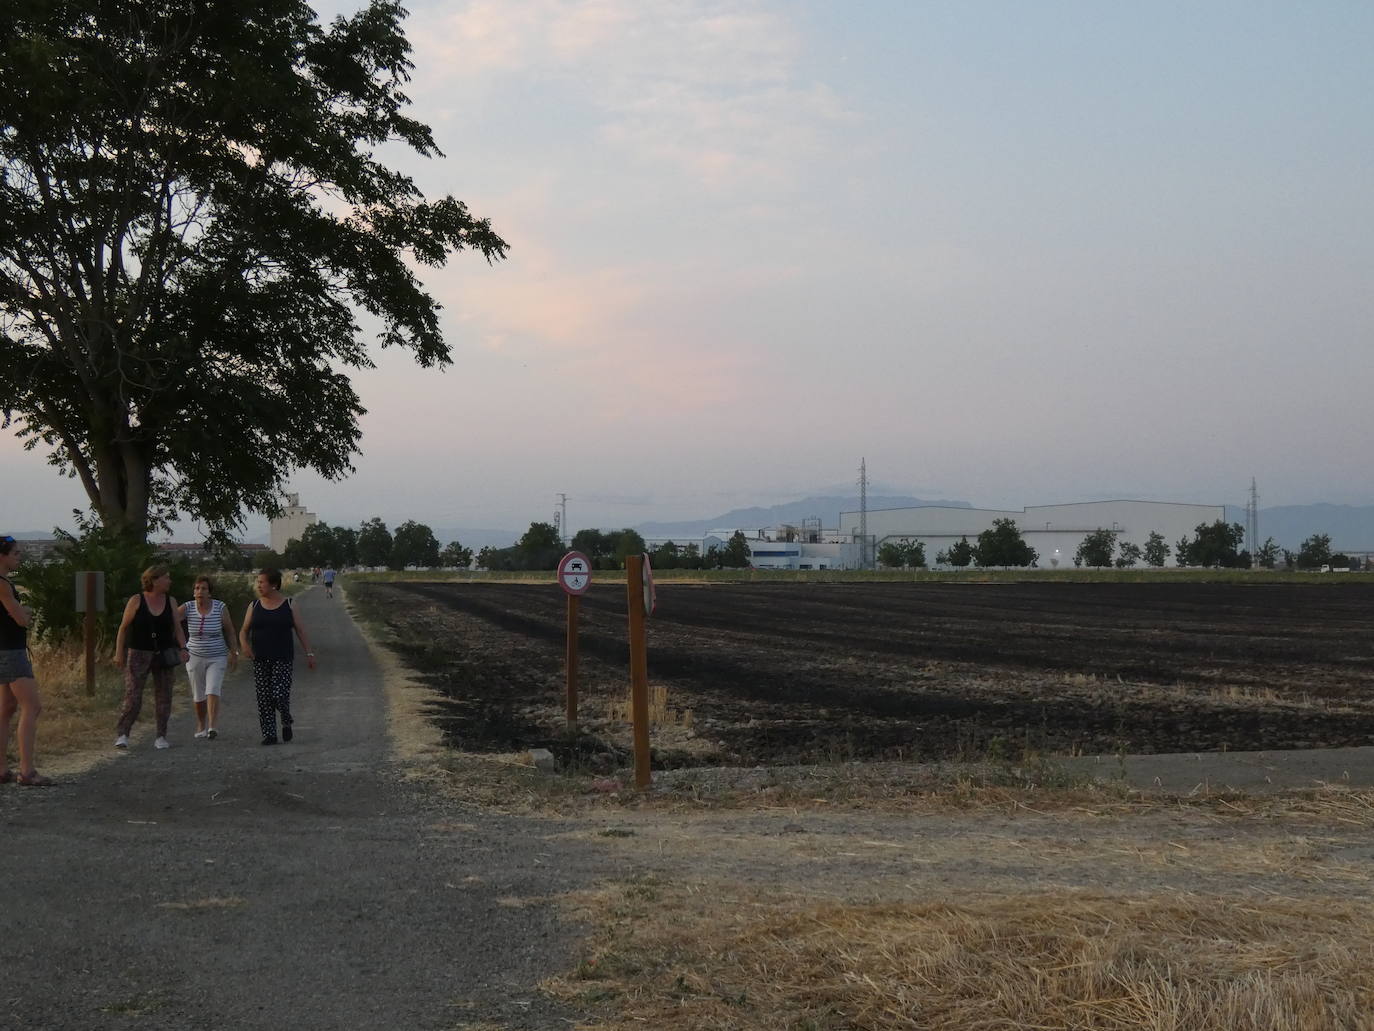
[202, 733]
[122, 741]
[210, 732]
[162, 742]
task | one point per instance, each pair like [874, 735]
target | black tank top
[13, 637]
[146, 626]
[270, 631]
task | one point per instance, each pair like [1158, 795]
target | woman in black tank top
[149, 627]
[265, 637]
[18, 688]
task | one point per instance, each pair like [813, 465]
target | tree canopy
[608, 550]
[455, 556]
[1001, 544]
[1315, 552]
[736, 554]
[1096, 548]
[959, 554]
[191, 215]
[1268, 553]
[1156, 549]
[413, 544]
[903, 554]
[1215, 544]
[374, 543]
[323, 545]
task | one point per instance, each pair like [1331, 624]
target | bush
[51, 586]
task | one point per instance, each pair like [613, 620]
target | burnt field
[759, 674]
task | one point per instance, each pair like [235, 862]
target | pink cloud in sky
[707, 92]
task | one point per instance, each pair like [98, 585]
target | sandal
[34, 780]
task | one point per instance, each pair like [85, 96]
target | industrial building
[791, 548]
[291, 524]
[1054, 531]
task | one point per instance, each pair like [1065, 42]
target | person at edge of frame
[18, 687]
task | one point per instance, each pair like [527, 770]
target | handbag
[165, 658]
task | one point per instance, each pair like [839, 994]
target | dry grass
[708, 956]
[661, 714]
[413, 737]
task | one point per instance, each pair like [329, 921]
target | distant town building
[291, 524]
[197, 553]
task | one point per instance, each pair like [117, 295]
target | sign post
[574, 576]
[90, 599]
[637, 581]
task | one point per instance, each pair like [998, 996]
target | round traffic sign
[575, 572]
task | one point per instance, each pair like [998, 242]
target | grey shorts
[15, 665]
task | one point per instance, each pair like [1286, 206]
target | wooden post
[639, 667]
[90, 634]
[572, 662]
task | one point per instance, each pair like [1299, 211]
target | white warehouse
[1054, 531]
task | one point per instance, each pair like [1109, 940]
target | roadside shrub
[51, 586]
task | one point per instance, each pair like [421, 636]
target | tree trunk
[122, 481]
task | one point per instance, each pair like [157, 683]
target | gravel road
[223, 884]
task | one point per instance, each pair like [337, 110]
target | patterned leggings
[137, 666]
[272, 679]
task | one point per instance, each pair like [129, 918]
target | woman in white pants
[213, 643]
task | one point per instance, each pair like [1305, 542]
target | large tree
[455, 556]
[413, 544]
[1001, 544]
[1216, 544]
[191, 217]
[1315, 551]
[374, 543]
[1156, 549]
[1096, 548]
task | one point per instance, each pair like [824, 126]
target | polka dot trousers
[272, 679]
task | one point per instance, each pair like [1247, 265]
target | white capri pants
[207, 675]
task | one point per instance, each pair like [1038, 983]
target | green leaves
[190, 216]
[1002, 545]
[1096, 548]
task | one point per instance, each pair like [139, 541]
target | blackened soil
[788, 673]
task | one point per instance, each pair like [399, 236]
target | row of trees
[1316, 552]
[1097, 550]
[540, 547]
[371, 544]
[1001, 544]
[1220, 545]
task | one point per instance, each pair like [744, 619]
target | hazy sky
[1010, 253]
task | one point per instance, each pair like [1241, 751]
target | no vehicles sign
[575, 572]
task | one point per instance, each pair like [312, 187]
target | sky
[1007, 253]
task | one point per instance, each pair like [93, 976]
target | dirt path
[225, 884]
